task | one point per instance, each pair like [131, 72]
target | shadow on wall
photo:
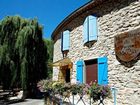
[90, 44]
[130, 63]
[111, 6]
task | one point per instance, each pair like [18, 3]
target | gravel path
[31, 102]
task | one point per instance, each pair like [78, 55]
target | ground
[31, 102]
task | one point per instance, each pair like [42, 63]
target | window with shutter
[85, 30]
[95, 70]
[102, 71]
[79, 71]
[65, 40]
[90, 29]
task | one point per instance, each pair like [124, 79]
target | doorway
[67, 77]
[91, 71]
[65, 74]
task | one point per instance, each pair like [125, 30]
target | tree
[23, 53]
[49, 44]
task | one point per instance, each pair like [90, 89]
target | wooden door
[91, 71]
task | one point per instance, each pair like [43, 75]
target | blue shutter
[61, 41]
[66, 40]
[79, 71]
[92, 28]
[102, 71]
[85, 30]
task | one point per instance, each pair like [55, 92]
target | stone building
[100, 42]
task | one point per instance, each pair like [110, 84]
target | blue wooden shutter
[85, 30]
[66, 40]
[61, 41]
[92, 28]
[79, 71]
[102, 71]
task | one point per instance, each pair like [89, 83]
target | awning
[62, 62]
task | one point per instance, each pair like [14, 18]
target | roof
[62, 62]
[74, 14]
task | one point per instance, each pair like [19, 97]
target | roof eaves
[74, 14]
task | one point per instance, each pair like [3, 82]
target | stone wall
[113, 18]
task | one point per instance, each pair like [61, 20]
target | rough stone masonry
[114, 17]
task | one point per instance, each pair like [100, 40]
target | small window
[90, 29]
[65, 40]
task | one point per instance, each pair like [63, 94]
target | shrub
[94, 90]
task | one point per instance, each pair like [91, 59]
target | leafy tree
[23, 53]
[49, 44]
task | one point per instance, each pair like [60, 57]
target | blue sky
[48, 12]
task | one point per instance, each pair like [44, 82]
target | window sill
[90, 43]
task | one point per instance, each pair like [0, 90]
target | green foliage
[93, 90]
[96, 91]
[49, 44]
[23, 53]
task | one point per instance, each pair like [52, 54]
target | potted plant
[76, 89]
[99, 91]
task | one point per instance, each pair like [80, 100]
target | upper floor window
[65, 40]
[90, 29]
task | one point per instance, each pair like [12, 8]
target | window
[92, 70]
[90, 29]
[65, 40]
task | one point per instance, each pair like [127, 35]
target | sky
[48, 12]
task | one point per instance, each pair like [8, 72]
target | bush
[94, 90]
